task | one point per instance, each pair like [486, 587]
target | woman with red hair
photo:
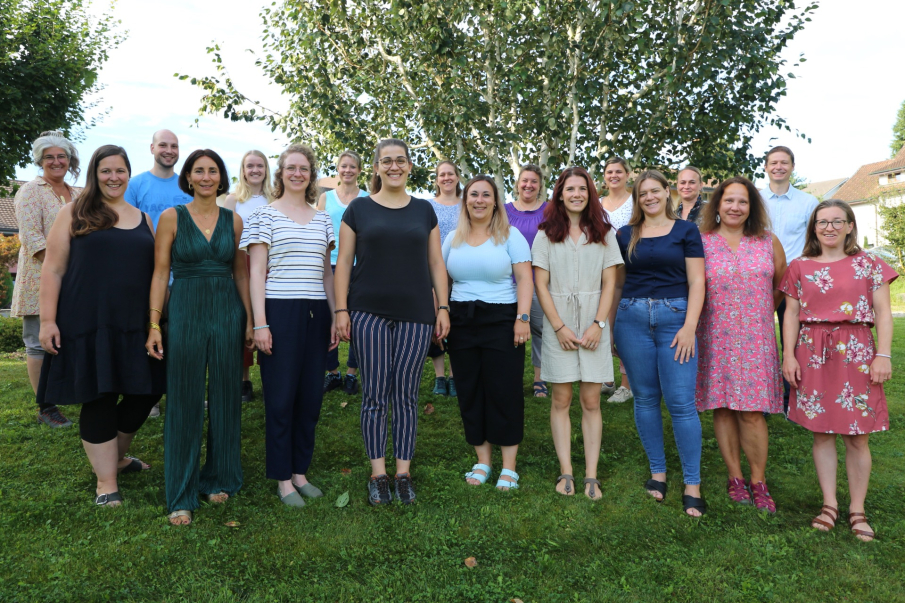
[575, 257]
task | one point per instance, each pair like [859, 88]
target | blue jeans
[643, 332]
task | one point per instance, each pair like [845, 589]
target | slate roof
[864, 185]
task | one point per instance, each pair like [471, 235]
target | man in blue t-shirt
[157, 190]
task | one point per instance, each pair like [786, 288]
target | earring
[718, 218]
[191, 188]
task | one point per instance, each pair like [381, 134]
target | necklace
[521, 203]
[204, 224]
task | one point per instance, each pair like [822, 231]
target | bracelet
[560, 328]
[884, 356]
[155, 310]
[155, 326]
[443, 308]
[261, 327]
[341, 310]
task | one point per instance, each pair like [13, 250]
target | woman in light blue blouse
[489, 325]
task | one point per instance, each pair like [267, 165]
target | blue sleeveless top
[336, 209]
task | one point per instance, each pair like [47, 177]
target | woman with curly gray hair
[36, 205]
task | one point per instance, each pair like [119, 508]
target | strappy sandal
[540, 389]
[570, 481]
[177, 514]
[656, 486]
[853, 520]
[135, 466]
[481, 478]
[508, 485]
[591, 492]
[831, 512]
[108, 500]
[693, 502]
[218, 499]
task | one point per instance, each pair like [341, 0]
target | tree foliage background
[898, 132]
[50, 54]
[496, 83]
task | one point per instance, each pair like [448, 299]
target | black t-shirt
[656, 269]
[391, 277]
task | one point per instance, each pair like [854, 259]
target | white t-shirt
[620, 216]
[249, 206]
[295, 258]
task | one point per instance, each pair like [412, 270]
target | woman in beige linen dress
[575, 258]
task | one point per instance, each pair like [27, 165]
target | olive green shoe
[309, 490]
[293, 499]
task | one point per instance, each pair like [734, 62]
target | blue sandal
[540, 389]
[481, 478]
[509, 485]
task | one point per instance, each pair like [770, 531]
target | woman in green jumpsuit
[208, 319]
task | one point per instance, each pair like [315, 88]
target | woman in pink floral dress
[738, 367]
[834, 294]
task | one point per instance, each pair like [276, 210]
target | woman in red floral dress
[835, 293]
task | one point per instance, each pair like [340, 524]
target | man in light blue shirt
[157, 189]
[790, 210]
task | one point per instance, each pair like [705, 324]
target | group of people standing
[683, 296]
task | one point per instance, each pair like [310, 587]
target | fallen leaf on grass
[232, 524]
[516, 601]
[429, 409]
[343, 404]
[343, 500]
[346, 472]
[471, 562]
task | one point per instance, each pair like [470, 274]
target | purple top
[526, 221]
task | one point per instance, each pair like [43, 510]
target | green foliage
[532, 544]
[894, 230]
[50, 54]
[10, 334]
[798, 181]
[898, 132]
[496, 83]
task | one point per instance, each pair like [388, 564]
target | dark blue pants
[292, 377]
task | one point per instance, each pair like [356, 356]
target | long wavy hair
[812, 247]
[308, 152]
[593, 222]
[89, 211]
[243, 190]
[376, 184]
[638, 215]
[499, 221]
[758, 220]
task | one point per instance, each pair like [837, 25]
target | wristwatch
[600, 323]
[523, 318]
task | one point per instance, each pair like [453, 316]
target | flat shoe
[570, 481]
[135, 466]
[693, 502]
[293, 499]
[656, 486]
[103, 500]
[481, 478]
[309, 490]
[593, 482]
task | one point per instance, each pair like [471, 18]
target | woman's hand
[684, 344]
[791, 370]
[334, 336]
[343, 323]
[50, 337]
[567, 339]
[249, 335]
[264, 340]
[522, 332]
[591, 338]
[880, 370]
[154, 344]
[441, 330]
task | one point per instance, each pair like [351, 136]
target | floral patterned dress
[738, 363]
[835, 344]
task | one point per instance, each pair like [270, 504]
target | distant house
[873, 184]
[8, 224]
[825, 189]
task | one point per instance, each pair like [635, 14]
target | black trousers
[489, 372]
[293, 381]
[103, 419]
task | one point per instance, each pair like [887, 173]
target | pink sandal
[738, 490]
[762, 499]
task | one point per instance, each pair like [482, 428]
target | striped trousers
[391, 361]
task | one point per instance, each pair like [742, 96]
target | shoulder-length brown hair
[376, 183]
[458, 175]
[593, 221]
[812, 243]
[308, 152]
[89, 210]
[758, 220]
[638, 216]
[499, 221]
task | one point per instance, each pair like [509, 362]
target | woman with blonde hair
[689, 184]
[252, 191]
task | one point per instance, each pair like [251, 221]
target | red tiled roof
[819, 189]
[865, 184]
[8, 224]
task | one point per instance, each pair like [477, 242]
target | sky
[844, 97]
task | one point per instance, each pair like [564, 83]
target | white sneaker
[607, 389]
[155, 411]
[622, 395]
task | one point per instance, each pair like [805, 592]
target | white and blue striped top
[296, 252]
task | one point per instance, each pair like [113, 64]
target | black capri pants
[103, 419]
[489, 372]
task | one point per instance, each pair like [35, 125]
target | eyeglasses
[399, 161]
[62, 157]
[837, 224]
[297, 170]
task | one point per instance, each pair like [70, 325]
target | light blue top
[335, 208]
[447, 216]
[789, 214]
[154, 195]
[485, 272]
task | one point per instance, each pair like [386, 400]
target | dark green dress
[205, 336]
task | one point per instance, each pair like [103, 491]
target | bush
[11, 334]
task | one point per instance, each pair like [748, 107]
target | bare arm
[240, 277]
[524, 292]
[779, 270]
[881, 367]
[257, 280]
[331, 299]
[230, 202]
[344, 260]
[440, 281]
[790, 328]
[52, 271]
[565, 336]
[322, 203]
[684, 341]
[163, 247]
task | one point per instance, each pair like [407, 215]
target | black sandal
[692, 502]
[102, 500]
[135, 466]
[656, 486]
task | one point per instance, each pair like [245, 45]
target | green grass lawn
[532, 544]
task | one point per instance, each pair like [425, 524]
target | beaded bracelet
[341, 310]
[261, 327]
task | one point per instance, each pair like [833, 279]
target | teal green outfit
[206, 332]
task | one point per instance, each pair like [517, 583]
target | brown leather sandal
[856, 518]
[829, 511]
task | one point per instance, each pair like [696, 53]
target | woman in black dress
[95, 286]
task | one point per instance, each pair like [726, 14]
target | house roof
[8, 223]
[864, 185]
[819, 189]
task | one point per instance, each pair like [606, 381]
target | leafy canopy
[496, 83]
[898, 132]
[50, 55]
